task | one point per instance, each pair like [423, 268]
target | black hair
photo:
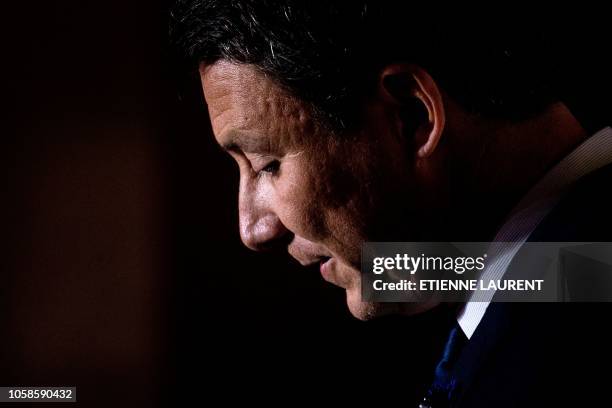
[329, 53]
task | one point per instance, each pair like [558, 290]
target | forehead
[239, 97]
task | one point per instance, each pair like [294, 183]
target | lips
[325, 268]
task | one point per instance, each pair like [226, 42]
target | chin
[372, 310]
[367, 310]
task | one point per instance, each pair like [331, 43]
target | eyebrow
[238, 141]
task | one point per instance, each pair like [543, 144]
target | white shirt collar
[594, 153]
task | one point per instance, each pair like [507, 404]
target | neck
[505, 161]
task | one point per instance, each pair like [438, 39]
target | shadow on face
[316, 193]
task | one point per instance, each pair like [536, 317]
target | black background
[122, 271]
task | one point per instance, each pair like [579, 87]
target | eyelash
[270, 168]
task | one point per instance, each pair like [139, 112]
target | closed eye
[271, 167]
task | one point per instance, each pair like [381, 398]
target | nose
[260, 227]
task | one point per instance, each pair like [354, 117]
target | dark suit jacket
[547, 354]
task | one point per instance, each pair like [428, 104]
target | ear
[417, 100]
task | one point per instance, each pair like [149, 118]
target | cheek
[323, 202]
[299, 202]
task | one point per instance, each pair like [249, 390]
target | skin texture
[320, 195]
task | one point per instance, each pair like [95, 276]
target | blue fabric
[443, 386]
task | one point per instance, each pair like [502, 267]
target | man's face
[318, 194]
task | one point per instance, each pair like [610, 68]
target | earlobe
[407, 82]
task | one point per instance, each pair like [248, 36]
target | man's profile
[357, 121]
